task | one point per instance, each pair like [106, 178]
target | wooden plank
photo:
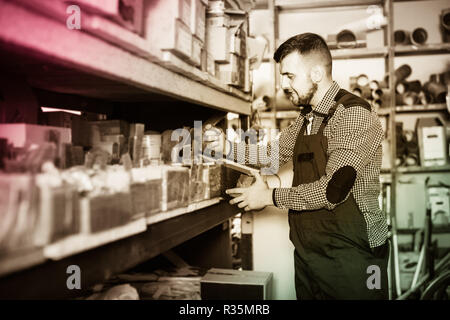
[48, 280]
[419, 169]
[20, 260]
[83, 242]
[161, 216]
[322, 4]
[78, 50]
[359, 53]
[432, 48]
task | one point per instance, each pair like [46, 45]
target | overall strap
[348, 100]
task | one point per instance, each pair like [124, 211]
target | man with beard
[336, 225]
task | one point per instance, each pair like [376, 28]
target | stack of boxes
[176, 27]
[226, 39]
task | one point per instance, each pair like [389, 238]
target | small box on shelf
[218, 43]
[198, 18]
[168, 26]
[432, 142]
[175, 187]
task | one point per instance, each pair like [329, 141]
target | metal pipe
[346, 39]
[402, 37]
[404, 86]
[437, 91]
[419, 36]
[445, 25]
[424, 278]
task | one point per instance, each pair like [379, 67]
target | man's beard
[305, 99]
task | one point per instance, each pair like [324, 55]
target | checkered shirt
[354, 139]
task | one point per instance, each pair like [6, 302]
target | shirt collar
[327, 101]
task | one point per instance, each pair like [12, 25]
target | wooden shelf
[418, 169]
[280, 115]
[414, 108]
[324, 4]
[84, 242]
[436, 230]
[359, 53]
[48, 280]
[161, 216]
[437, 48]
[104, 70]
[20, 260]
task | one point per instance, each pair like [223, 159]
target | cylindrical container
[437, 91]
[410, 98]
[402, 37]
[445, 25]
[405, 86]
[377, 94]
[419, 36]
[362, 80]
[400, 74]
[346, 39]
[374, 85]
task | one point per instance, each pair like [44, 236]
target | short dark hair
[305, 43]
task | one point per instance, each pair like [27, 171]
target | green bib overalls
[332, 255]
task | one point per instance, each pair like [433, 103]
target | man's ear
[317, 74]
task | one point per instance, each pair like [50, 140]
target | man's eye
[290, 76]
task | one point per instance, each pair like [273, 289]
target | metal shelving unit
[388, 53]
[57, 60]
[83, 59]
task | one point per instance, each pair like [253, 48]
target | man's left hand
[256, 197]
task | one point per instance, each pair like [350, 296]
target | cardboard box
[218, 43]
[175, 187]
[21, 134]
[228, 284]
[168, 26]
[432, 142]
[146, 190]
[19, 212]
[111, 127]
[59, 213]
[197, 46]
[440, 205]
[198, 17]
[232, 73]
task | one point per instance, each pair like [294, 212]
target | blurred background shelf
[359, 53]
[436, 48]
[414, 108]
[323, 4]
[419, 169]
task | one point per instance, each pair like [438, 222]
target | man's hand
[214, 140]
[256, 197]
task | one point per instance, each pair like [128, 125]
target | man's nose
[285, 84]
